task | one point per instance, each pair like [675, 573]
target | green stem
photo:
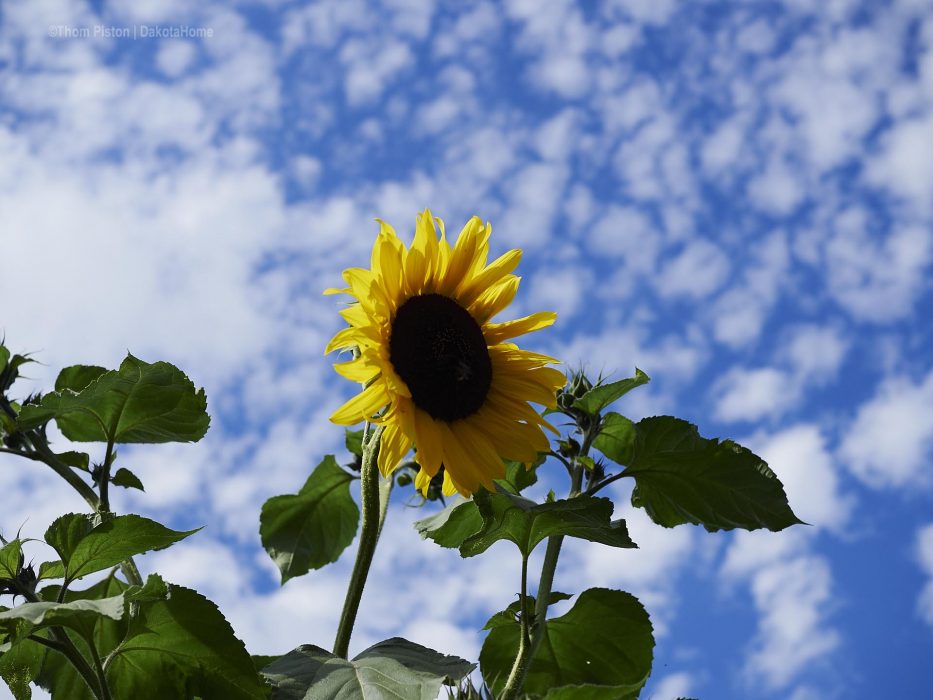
[105, 478]
[528, 649]
[513, 685]
[98, 666]
[42, 452]
[369, 537]
[46, 455]
[68, 649]
[62, 643]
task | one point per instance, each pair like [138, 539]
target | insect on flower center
[439, 351]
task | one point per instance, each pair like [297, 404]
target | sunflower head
[438, 372]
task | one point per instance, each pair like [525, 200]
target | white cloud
[699, 270]
[740, 312]
[175, 57]
[671, 686]
[534, 194]
[625, 232]
[561, 290]
[816, 352]
[792, 598]
[370, 67]
[752, 394]
[778, 189]
[877, 278]
[924, 550]
[889, 442]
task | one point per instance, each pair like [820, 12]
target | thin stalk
[513, 685]
[369, 537]
[68, 649]
[45, 454]
[105, 478]
[62, 643]
[527, 651]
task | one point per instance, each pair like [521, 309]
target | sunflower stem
[372, 517]
[513, 685]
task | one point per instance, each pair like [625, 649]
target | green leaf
[395, 669]
[127, 479]
[85, 549]
[77, 377]
[22, 620]
[604, 640]
[138, 403]
[681, 477]
[601, 395]
[116, 540]
[510, 615]
[182, 647]
[10, 558]
[518, 477]
[526, 523]
[4, 357]
[455, 523]
[616, 438]
[78, 460]
[354, 442]
[51, 569]
[177, 646]
[66, 531]
[312, 528]
[19, 667]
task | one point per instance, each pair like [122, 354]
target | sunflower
[438, 373]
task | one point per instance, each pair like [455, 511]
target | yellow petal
[393, 446]
[449, 488]
[358, 370]
[497, 332]
[429, 442]
[487, 461]
[345, 338]
[495, 299]
[362, 406]
[458, 462]
[471, 290]
[422, 481]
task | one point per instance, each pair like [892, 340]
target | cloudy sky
[736, 197]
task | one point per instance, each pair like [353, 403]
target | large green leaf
[395, 669]
[140, 402]
[526, 523]
[449, 527]
[310, 529]
[616, 438]
[20, 621]
[604, 641]
[681, 477]
[85, 548]
[602, 395]
[19, 667]
[77, 377]
[177, 647]
[80, 614]
[182, 648]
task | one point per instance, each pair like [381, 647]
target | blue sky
[736, 197]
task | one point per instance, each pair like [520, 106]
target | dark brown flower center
[440, 353]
